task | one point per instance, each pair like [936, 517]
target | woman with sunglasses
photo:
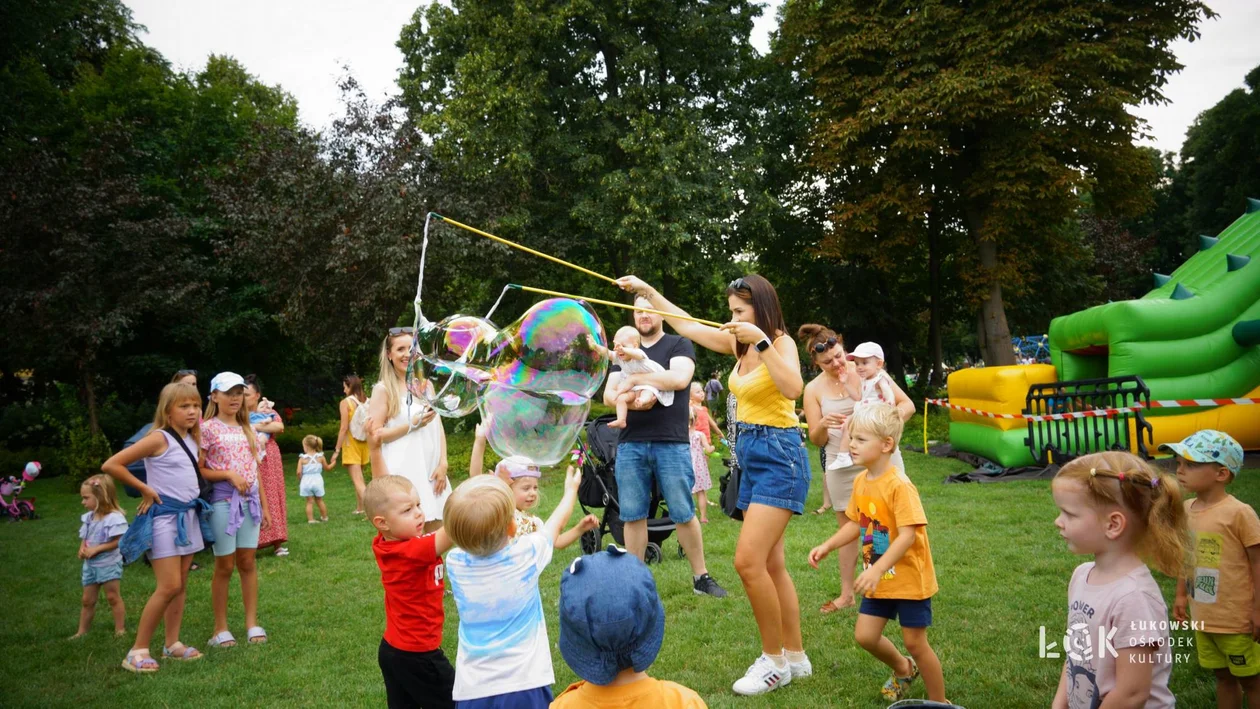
[775, 472]
[403, 436]
[829, 400]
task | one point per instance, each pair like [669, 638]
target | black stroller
[599, 489]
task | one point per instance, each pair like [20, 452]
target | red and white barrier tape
[1094, 413]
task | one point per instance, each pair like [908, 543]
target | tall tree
[1219, 167]
[602, 133]
[1010, 109]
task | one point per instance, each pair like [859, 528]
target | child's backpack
[358, 422]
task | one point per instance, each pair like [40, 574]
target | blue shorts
[93, 575]
[911, 614]
[774, 467]
[638, 462]
[536, 698]
[245, 538]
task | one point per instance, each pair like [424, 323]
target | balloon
[446, 357]
[31, 471]
[540, 426]
[558, 345]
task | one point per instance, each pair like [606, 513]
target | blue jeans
[774, 467]
[670, 463]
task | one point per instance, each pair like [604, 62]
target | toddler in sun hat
[612, 624]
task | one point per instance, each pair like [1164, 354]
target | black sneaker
[705, 585]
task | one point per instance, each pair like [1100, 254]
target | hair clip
[1155, 482]
[94, 483]
[1120, 477]
[1093, 472]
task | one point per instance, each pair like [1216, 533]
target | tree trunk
[936, 355]
[89, 395]
[997, 335]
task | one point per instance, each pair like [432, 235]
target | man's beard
[651, 331]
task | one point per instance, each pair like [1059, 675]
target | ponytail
[1126, 481]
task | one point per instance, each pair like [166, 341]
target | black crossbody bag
[205, 486]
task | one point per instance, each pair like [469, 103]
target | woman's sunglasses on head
[824, 346]
[401, 331]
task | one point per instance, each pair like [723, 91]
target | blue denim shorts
[774, 467]
[536, 698]
[911, 614]
[670, 463]
[93, 575]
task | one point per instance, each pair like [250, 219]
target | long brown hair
[767, 314]
[241, 419]
[355, 382]
[812, 334]
[1154, 501]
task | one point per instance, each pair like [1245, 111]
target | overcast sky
[302, 45]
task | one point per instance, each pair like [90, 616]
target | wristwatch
[763, 345]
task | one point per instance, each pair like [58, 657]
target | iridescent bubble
[446, 357]
[558, 345]
[539, 426]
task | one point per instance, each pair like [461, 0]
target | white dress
[416, 455]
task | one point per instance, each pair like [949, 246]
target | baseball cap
[517, 466]
[611, 617]
[1209, 446]
[224, 381]
[868, 349]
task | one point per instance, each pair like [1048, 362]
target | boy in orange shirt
[1222, 597]
[898, 579]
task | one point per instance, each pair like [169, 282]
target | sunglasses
[186, 372]
[738, 284]
[401, 331]
[824, 346]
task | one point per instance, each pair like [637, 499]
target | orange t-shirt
[648, 692]
[1222, 593]
[879, 506]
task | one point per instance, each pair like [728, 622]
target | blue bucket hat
[1208, 446]
[611, 617]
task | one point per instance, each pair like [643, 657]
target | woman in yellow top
[775, 473]
[356, 451]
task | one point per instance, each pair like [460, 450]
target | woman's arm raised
[708, 337]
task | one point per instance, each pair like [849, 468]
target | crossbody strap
[191, 457]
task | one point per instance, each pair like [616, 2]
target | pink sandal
[140, 664]
[185, 654]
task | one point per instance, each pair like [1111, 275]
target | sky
[303, 45]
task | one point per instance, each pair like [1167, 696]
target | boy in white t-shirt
[504, 657]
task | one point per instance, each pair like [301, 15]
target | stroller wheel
[590, 541]
[652, 554]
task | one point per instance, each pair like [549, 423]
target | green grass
[1002, 569]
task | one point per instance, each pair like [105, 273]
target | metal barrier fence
[1067, 437]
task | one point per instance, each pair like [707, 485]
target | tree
[603, 134]
[1219, 169]
[994, 115]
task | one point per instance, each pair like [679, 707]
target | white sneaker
[841, 460]
[762, 676]
[802, 669]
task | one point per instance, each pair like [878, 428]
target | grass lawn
[1003, 573]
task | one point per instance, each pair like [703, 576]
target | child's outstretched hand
[588, 523]
[572, 477]
[866, 581]
[817, 554]
[482, 430]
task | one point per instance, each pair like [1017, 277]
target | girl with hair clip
[1116, 508]
[102, 527]
[169, 521]
[239, 502]
[774, 466]
[404, 435]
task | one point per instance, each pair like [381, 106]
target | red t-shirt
[412, 574]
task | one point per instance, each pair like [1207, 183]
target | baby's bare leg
[646, 399]
[623, 406]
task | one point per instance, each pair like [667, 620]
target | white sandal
[254, 633]
[222, 640]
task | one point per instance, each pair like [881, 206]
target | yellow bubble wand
[610, 303]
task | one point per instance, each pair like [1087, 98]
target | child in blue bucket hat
[612, 624]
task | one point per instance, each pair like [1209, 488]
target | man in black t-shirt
[656, 444]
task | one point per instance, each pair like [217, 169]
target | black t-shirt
[663, 424]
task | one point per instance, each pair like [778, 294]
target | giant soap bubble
[449, 356]
[558, 345]
[539, 426]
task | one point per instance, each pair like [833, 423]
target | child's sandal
[185, 653]
[256, 635]
[897, 687]
[140, 663]
[223, 640]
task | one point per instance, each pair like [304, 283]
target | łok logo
[1079, 644]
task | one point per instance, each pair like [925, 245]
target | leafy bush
[81, 451]
[13, 461]
[291, 440]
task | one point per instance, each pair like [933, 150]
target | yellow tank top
[759, 401]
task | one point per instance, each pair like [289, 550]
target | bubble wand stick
[610, 303]
[526, 249]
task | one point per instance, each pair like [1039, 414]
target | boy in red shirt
[416, 672]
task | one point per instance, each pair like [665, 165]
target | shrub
[81, 451]
[291, 440]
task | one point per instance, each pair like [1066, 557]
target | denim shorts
[93, 575]
[245, 538]
[910, 614]
[774, 467]
[536, 698]
[670, 463]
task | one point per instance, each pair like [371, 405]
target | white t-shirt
[1133, 609]
[503, 643]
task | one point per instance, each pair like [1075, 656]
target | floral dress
[700, 463]
[271, 476]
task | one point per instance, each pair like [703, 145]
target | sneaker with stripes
[763, 676]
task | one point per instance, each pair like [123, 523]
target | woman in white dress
[411, 441]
